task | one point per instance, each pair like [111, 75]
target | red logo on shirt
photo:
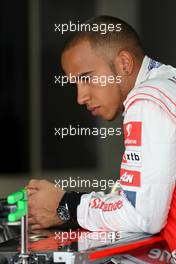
[132, 133]
[104, 206]
[124, 159]
[130, 178]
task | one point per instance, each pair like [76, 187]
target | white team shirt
[148, 168]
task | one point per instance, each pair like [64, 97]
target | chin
[110, 116]
[111, 119]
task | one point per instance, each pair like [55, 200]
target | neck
[128, 82]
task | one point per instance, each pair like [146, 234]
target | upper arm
[150, 153]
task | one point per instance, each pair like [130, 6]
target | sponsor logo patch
[132, 133]
[104, 206]
[132, 158]
[130, 178]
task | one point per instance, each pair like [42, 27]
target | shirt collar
[142, 75]
[144, 70]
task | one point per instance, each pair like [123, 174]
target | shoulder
[161, 92]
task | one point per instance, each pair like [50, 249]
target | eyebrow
[84, 74]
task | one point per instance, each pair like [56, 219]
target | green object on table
[20, 198]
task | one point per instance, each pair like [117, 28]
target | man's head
[93, 55]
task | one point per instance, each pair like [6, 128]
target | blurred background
[32, 105]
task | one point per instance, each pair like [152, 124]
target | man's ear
[124, 63]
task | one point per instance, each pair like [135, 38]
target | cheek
[112, 106]
[105, 95]
[111, 96]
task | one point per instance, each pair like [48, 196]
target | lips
[93, 109]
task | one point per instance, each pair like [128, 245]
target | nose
[83, 94]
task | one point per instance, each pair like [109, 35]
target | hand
[43, 200]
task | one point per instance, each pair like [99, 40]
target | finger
[27, 187]
[31, 191]
[31, 201]
[30, 215]
[34, 184]
[32, 220]
[35, 227]
[31, 212]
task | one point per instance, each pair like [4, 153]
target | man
[146, 96]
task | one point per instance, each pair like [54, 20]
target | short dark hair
[127, 38]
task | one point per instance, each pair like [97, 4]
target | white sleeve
[147, 176]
